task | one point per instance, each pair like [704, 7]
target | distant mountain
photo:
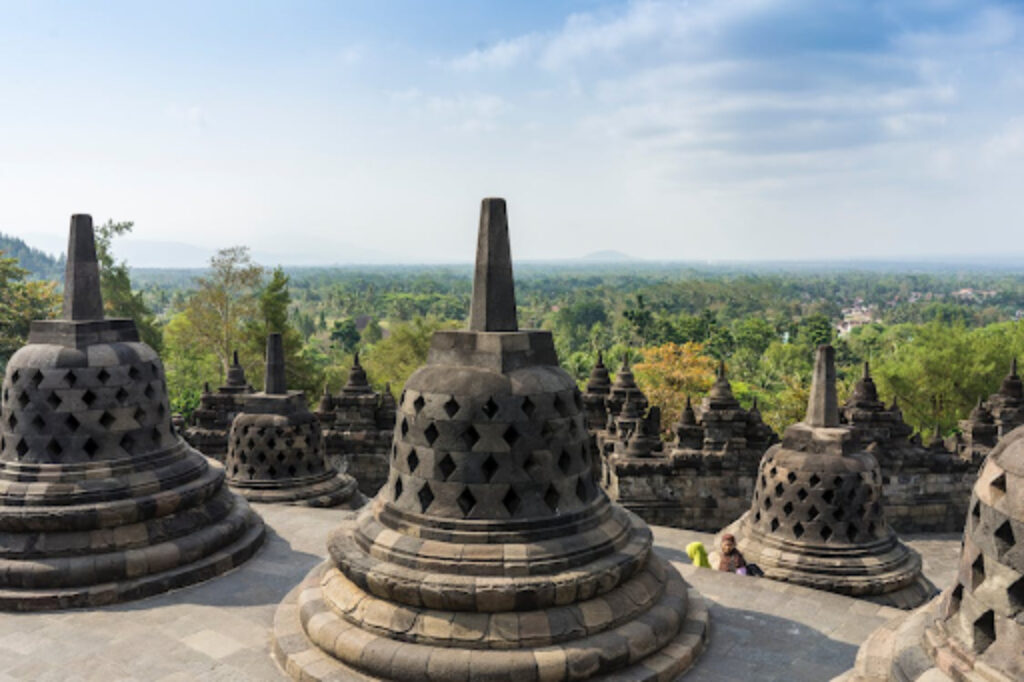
[608, 257]
[40, 265]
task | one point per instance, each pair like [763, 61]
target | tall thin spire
[823, 406]
[82, 297]
[493, 308]
[274, 382]
[867, 371]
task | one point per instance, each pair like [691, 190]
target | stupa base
[159, 568]
[340, 490]
[631, 651]
[885, 572]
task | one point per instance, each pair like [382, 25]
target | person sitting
[698, 555]
[731, 560]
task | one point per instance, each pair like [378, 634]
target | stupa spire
[823, 406]
[493, 308]
[274, 382]
[82, 297]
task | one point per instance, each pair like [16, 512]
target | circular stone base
[337, 491]
[89, 596]
[890, 577]
[302, 659]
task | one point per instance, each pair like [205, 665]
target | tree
[372, 333]
[345, 335]
[225, 300]
[119, 300]
[20, 303]
[754, 334]
[670, 372]
[273, 301]
[395, 358]
[815, 330]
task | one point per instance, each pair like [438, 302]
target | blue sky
[343, 131]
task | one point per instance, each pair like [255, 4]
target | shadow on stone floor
[263, 580]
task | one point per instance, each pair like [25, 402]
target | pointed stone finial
[625, 362]
[82, 297]
[274, 382]
[493, 308]
[600, 357]
[1013, 367]
[355, 359]
[206, 387]
[720, 372]
[234, 357]
[867, 371]
[823, 406]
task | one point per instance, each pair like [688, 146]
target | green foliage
[37, 264]
[20, 303]
[119, 299]
[345, 335]
[393, 359]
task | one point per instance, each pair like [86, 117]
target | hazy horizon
[748, 131]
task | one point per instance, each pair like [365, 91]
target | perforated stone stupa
[490, 554]
[816, 518]
[211, 421]
[100, 500]
[974, 631]
[276, 449]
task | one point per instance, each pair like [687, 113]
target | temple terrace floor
[220, 630]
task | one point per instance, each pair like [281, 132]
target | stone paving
[220, 630]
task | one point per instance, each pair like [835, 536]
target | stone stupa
[100, 499]
[974, 631]
[276, 449]
[490, 553]
[817, 519]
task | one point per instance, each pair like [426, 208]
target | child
[732, 560]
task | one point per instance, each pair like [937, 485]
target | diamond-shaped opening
[490, 408]
[412, 460]
[978, 572]
[37, 378]
[272, 472]
[838, 513]
[127, 443]
[404, 427]
[976, 511]
[88, 398]
[802, 494]
[581, 489]
[103, 375]
[779, 490]
[21, 448]
[562, 406]
[531, 465]
[280, 458]
[470, 437]
[72, 423]
[53, 400]
[38, 422]
[999, 484]
[984, 631]
[511, 502]
[23, 400]
[764, 482]
[551, 498]
[767, 502]
[431, 433]
[418, 404]
[1004, 537]
[528, 407]
[798, 529]
[791, 477]
[149, 392]
[251, 471]
[757, 517]
[773, 472]
[814, 480]
[564, 462]
[511, 435]
[451, 406]
[466, 501]
[851, 532]
[12, 421]
[54, 448]
[837, 481]
[774, 525]
[489, 467]
[121, 395]
[826, 533]
[788, 508]
[107, 420]
[398, 487]
[90, 447]
[447, 466]
[1016, 594]
[133, 373]
[852, 493]
[261, 457]
[140, 415]
[15, 375]
[292, 471]
[828, 496]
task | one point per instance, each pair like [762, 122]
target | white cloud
[502, 55]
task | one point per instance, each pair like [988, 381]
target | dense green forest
[937, 338]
